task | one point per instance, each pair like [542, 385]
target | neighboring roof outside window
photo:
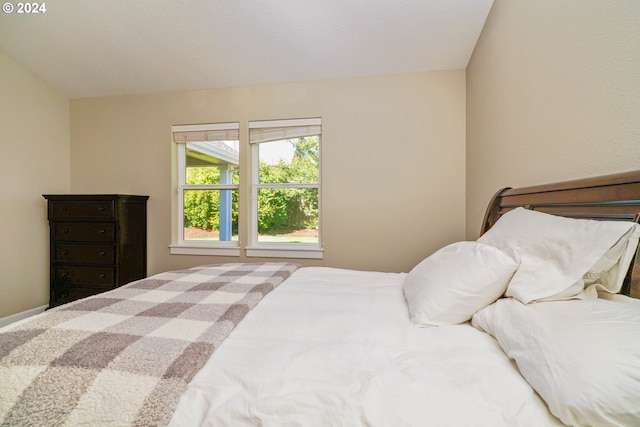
[211, 153]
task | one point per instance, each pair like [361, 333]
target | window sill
[285, 252]
[203, 250]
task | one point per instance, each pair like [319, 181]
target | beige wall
[393, 151]
[34, 159]
[553, 93]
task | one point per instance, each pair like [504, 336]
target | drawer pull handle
[64, 208]
[102, 231]
[66, 230]
[65, 252]
[101, 209]
[65, 274]
[102, 275]
[102, 253]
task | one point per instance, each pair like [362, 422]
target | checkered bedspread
[125, 357]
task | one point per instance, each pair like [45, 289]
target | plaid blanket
[124, 357]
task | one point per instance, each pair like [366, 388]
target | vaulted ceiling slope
[88, 48]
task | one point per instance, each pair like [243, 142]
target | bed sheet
[335, 347]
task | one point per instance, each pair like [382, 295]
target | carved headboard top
[611, 197]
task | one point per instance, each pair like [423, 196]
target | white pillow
[610, 270]
[555, 252]
[455, 282]
[581, 356]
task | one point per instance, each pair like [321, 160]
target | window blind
[276, 130]
[206, 132]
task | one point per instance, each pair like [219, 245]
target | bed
[536, 323]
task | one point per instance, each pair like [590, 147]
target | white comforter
[332, 347]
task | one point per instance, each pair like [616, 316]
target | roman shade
[206, 132]
[277, 130]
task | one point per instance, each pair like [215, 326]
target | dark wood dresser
[98, 242]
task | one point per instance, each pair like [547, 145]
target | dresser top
[85, 197]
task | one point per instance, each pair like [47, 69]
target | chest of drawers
[97, 242]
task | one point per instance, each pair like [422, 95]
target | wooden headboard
[610, 197]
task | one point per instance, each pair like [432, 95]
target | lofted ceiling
[88, 48]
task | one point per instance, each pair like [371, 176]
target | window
[285, 190]
[208, 183]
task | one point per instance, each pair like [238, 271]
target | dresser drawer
[72, 209]
[74, 294]
[99, 277]
[84, 254]
[85, 232]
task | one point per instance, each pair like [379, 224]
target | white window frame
[192, 133]
[272, 249]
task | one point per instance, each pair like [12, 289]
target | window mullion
[209, 187]
[287, 185]
[182, 174]
[255, 180]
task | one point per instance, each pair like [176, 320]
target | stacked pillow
[448, 287]
[527, 255]
[581, 356]
[557, 253]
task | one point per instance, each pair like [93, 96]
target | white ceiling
[87, 48]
